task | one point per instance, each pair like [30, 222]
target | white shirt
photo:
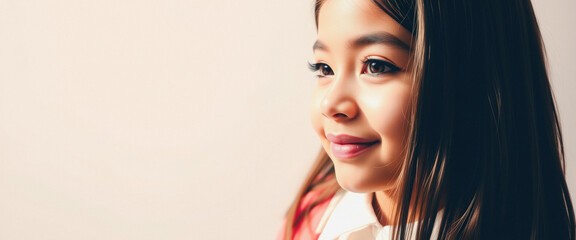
[350, 216]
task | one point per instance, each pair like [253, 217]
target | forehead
[342, 20]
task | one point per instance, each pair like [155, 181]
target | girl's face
[361, 103]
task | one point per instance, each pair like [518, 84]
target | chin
[354, 183]
[355, 180]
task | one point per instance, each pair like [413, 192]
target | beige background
[173, 119]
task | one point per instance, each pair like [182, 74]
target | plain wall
[172, 119]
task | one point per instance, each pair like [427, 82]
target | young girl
[437, 121]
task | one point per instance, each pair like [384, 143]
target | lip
[345, 146]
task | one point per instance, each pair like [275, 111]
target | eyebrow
[377, 38]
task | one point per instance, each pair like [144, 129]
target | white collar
[350, 216]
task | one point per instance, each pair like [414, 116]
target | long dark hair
[485, 145]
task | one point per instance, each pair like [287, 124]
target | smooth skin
[361, 58]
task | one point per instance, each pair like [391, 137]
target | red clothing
[305, 230]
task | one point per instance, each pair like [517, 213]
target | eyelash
[315, 67]
[388, 65]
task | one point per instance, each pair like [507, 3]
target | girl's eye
[322, 68]
[378, 67]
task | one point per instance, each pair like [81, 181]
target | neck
[384, 205]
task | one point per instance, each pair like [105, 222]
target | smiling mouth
[349, 150]
[346, 146]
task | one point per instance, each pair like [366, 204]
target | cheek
[387, 110]
[315, 114]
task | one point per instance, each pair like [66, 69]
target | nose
[338, 103]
